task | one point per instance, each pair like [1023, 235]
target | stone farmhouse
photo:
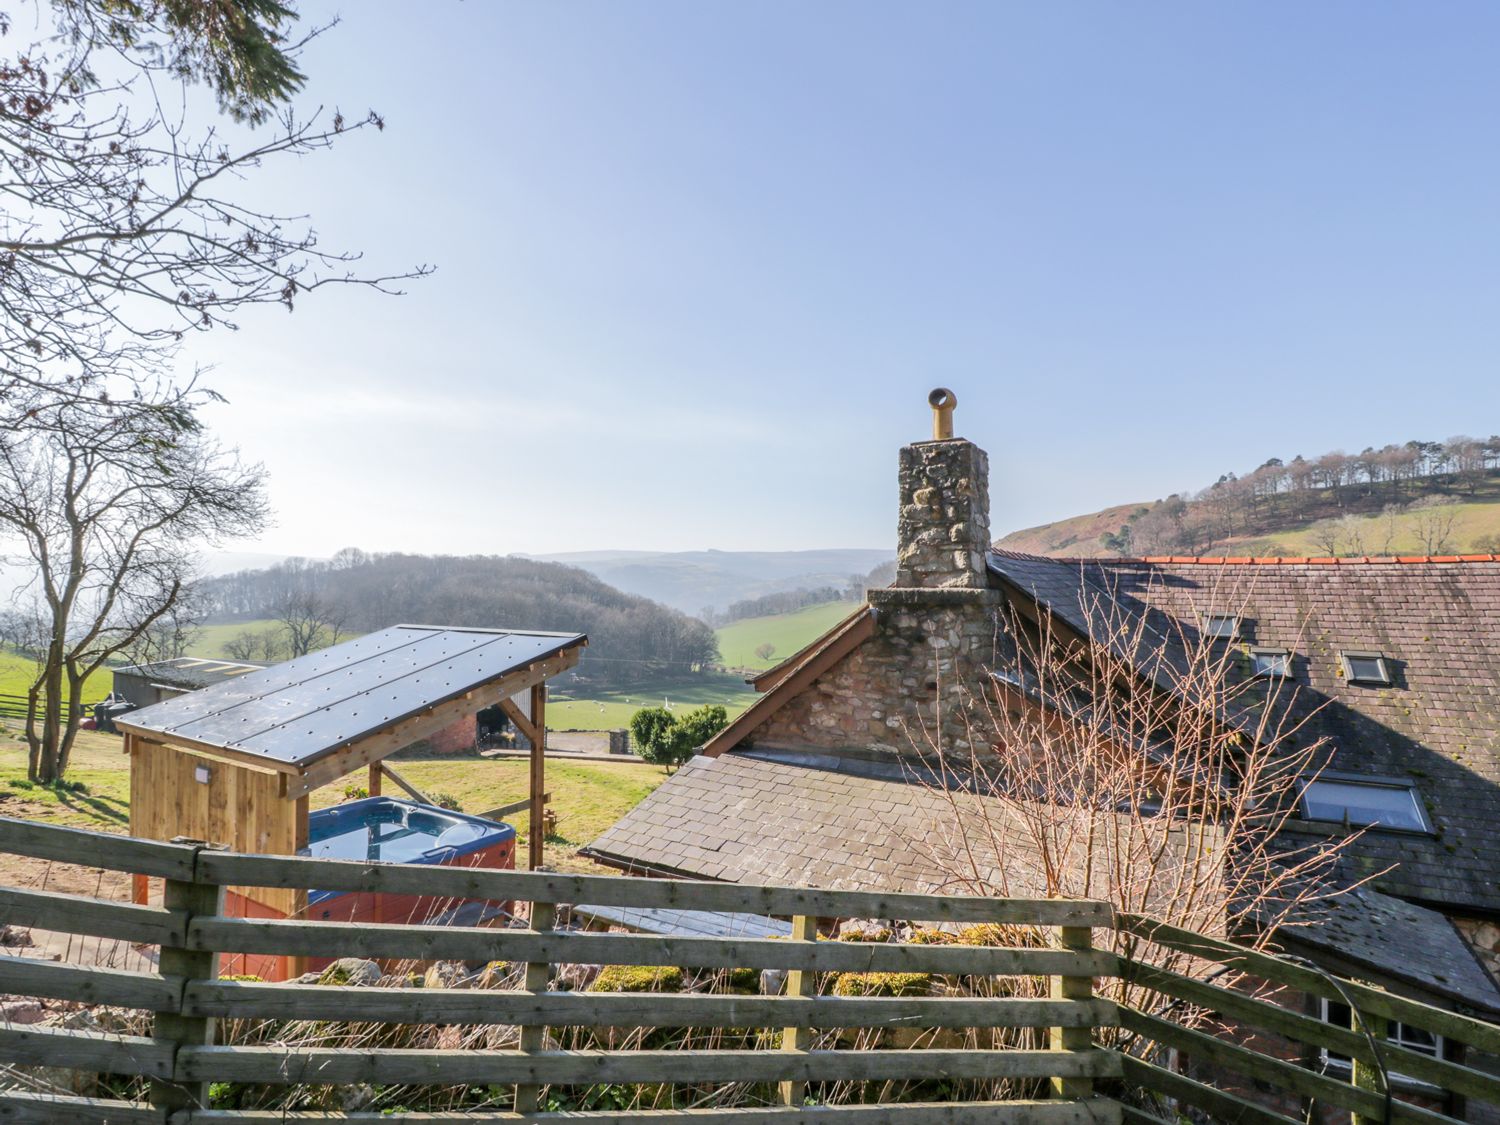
[1391, 665]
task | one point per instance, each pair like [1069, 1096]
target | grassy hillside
[787, 632]
[1077, 535]
[1365, 527]
[209, 640]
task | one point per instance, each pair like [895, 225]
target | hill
[630, 638]
[786, 633]
[1421, 498]
[693, 581]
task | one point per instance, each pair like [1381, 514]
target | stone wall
[943, 530]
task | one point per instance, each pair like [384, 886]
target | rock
[21, 1011]
[355, 971]
[14, 936]
[444, 974]
[772, 982]
[576, 978]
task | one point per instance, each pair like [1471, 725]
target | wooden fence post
[197, 900]
[1365, 1075]
[799, 982]
[1079, 939]
[538, 977]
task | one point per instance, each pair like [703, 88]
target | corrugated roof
[297, 712]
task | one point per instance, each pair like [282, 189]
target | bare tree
[1434, 522]
[309, 621]
[127, 225]
[106, 503]
[1139, 765]
[765, 651]
[1326, 536]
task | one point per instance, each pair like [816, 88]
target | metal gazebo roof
[295, 713]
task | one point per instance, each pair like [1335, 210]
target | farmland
[785, 632]
[600, 708]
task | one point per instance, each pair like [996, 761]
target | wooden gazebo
[234, 764]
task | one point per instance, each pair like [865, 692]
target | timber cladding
[242, 807]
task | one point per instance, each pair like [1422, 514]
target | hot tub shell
[385, 830]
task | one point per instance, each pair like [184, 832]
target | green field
[209, 640]
[609, 709]
[786, 632]
[17, 672]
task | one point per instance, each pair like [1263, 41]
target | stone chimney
[943, 532]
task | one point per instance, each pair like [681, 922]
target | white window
[1270, 663]
[1402, 1035]
[1219, 626]
[1363, 802]
[1366, 668]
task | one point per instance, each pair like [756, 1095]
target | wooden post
[1078, 938]
[374, 784]
[301, 838]
[536, 830]
[538, 977]
[1365, 1075]
[799, 982]
[197, 899]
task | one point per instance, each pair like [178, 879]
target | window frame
[1369, 781]
[1286, 663]
[1348, 655]
[1342, 1064]
[1206, 624]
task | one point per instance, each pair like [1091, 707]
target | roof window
[1270, 663]
[1221, 626]
[1365, 668]
[1364, 802]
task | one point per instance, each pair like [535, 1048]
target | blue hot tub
[387, 830]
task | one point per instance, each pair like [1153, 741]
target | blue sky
[698, 264]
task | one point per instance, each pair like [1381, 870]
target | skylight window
[1270, 663]
[1366, 668]
[1364, 803]
[1221, 626]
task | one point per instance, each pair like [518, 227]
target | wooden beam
[411, 790]
[536, 825]
[514, 807]
[373, 787]
[522, 722]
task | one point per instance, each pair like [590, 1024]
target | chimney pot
[942, 401]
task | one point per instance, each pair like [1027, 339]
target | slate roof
[748, 817]
[189, 672]
[295, 713]
[1437, 622]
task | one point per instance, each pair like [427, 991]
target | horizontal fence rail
[993, 1026]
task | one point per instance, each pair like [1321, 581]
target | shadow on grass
[107, 810]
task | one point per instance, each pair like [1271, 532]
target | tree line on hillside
[1418, 476]
[316, 603]
[790, 601]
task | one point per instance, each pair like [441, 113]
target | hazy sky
[699, 263]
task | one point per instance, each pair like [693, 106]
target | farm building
[146, 684]
[843, 773]
[235, 764]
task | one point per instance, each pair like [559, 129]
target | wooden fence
[1058, 1060]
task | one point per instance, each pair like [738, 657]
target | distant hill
[1420, 498]
[631, 638]
[692, 581]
